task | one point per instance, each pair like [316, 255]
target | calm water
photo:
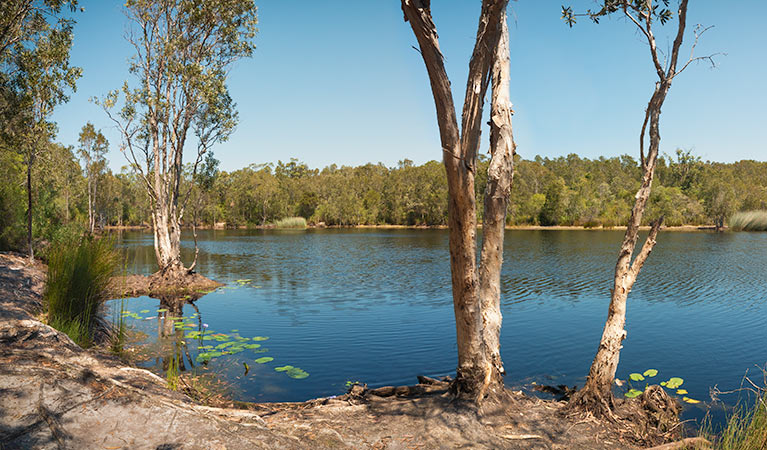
[376, 306]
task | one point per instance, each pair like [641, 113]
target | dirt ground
[54, 394]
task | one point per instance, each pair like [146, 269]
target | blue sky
[334, 82]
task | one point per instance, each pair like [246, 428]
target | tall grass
[749, 221]
[291, 222]
[78, 276]
[746, 428]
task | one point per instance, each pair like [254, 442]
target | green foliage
[749, 221]
[291, 222]
[746, 428]
[78, 276]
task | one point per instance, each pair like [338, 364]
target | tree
[184, 49]
[93, 147]
[476, 291]
[596, 396]
[35, 41]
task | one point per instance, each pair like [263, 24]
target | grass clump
[749, 221]
[746, 428]
[78, 276]
[291, 222]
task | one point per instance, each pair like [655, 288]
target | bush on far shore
[749, 221]
[291, 222]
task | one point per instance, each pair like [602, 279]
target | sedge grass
[78, 276]
[746, 428]
[749, 221]
[291, 222]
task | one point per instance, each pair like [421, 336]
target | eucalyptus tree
[35, 42]
[476, 290]
[93, 147]
[596, 395]
[183, 51]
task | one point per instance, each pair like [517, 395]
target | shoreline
[676, 228]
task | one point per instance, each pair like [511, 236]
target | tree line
[567, 190]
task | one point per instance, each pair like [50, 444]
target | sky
[338, 82]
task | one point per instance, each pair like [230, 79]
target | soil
[54, 394]
[190, 286]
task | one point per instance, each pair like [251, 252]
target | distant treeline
[567, 190]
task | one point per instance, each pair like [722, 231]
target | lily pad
[636, 377]
[162, 310]
[297, 373]
[260, 338]
[690, 400]
[261, 350]
[633, 393]
[264, 359]
[144, 311]
[283, 368]
[224, 345]
[674, 382]
[251, 346]
[681, 391]
[650, 372]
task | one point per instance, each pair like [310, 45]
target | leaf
[690, 400]
[144, 311]
[297, 373]
[633, 393]
[224, 345]
[636, 377]
[264, 359]
[260, 338]
[663, 383]
[261, 350]
[251, 346]
[674, 382]
[681, 391]
[650, 372]
[283, 368]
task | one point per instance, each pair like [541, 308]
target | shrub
[78, 276]
[749, 221]
[291, 222]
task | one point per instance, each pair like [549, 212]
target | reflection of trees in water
[173, 348]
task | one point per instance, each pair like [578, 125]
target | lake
[375, 306]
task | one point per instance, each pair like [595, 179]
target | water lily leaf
[663, 383]
[224, 345]
[261, 350]
[251, 346]
[297, 373]
[144, 311]
[633, 393]
[205, 347]
[260, 338]
[674, 382]
[234, 350]
[690, 400]
[193, 335]
[162, 310]
[650, 372]
[264, 359]
[283, 368]
[636, 377]
[234, 331]
[681, 391]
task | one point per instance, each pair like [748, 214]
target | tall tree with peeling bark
[183, 51]
[476, 290]
[596, 396]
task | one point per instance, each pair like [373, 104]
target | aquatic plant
[78, 278]
[172, 374]
[749, 221]
[292, 372]
[671, 384]
[117, 338]
[291, 222]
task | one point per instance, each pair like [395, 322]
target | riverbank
[685, 228]
[57, 395]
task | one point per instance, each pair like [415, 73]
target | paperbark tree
[184, 49]
[93, 147]
[596, 396]
[476, 291]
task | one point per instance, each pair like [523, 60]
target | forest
[568, 190]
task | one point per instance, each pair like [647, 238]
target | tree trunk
[30, 247]
[499, 179]
[473, 373]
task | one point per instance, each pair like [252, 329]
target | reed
[78, 275]
[291, 222]
[749, 221]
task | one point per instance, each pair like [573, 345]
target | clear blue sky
[338, 82]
